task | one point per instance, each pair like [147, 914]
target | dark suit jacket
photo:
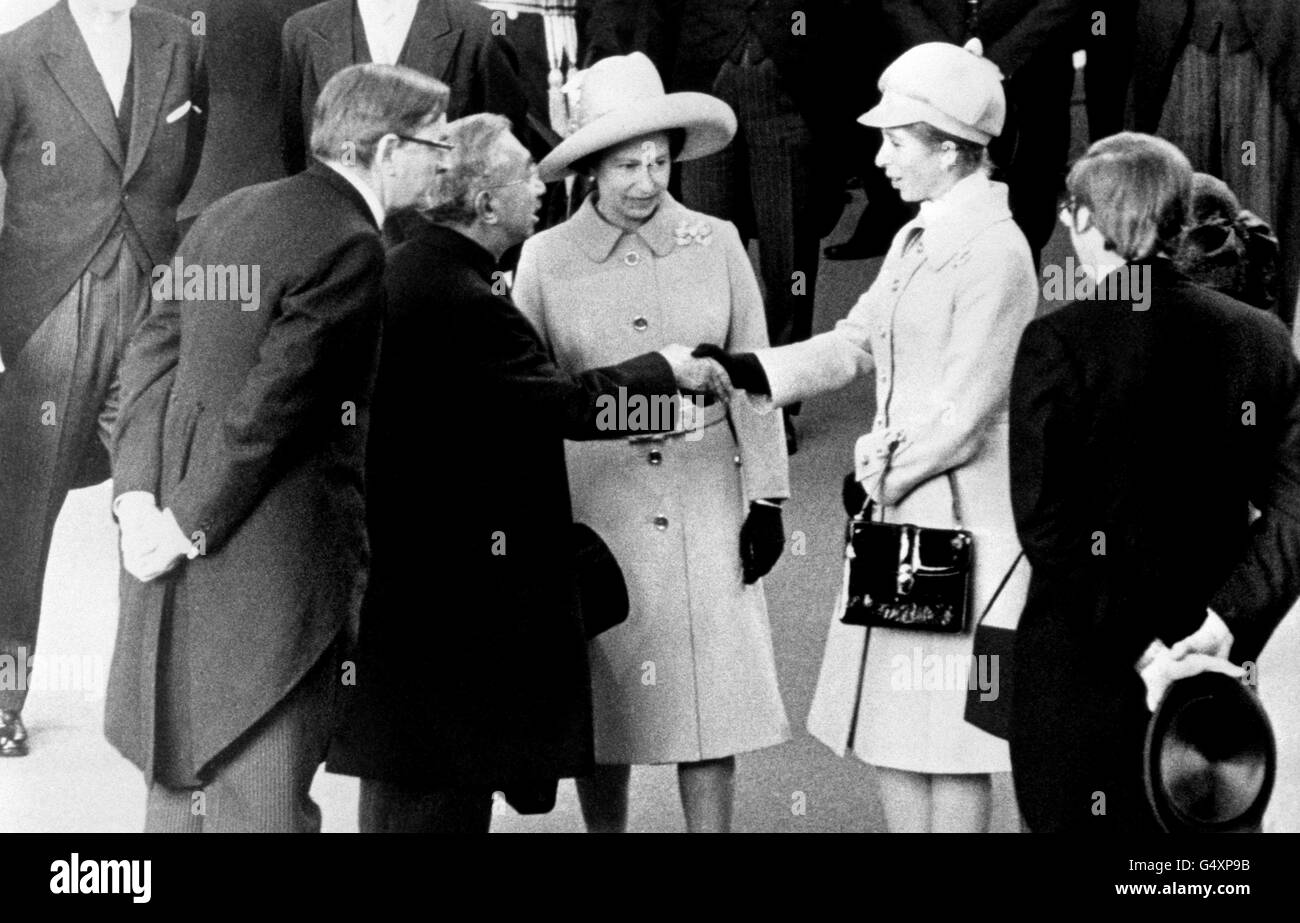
[472, 667]
[242, 49]
[69, 181]
[450, 40]
[251, 426]
[1013, 31]
[1153, 432]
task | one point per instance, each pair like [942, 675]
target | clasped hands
[152, 541]
[693, 373]
[1203, 651]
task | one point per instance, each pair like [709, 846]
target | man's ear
[484, 208]
[383, 156]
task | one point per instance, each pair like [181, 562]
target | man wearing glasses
[454, 703]
[239, 468]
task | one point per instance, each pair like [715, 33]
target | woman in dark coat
[1143, 428]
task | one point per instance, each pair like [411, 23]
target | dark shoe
[13, 736]
[791, 437]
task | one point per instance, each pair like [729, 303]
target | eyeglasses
[1068, 211]
[436, 145]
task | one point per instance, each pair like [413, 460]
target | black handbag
[906, 576]
[992, 715]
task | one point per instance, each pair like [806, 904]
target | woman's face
[918, 171]
[632, 178]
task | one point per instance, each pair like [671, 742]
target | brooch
[699, 233]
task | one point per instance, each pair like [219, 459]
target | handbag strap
[952, 490]
[1001, 586]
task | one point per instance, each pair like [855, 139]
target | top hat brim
[1210, 757]
[709, 123]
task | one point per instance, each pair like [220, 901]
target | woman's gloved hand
[762, 539]
[744, 369]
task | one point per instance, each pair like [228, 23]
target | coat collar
[598, 238]
[454, 247]
[337, 181]
[152, 57]
[969, 207]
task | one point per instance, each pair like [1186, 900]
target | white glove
[1164, 670]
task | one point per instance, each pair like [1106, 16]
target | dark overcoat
[69, 180]
[1139, 441]
[251, 426]
[450, 40]
[472, 667]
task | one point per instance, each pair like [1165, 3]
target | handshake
[152, 540]
[712, 369]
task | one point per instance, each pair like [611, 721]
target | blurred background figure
[241, 42]
[1031, 43]
[1228, 248]
[102, 120]
[1221, 79]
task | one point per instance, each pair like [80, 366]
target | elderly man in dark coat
[102, 115]
[244, 417]
[492, 693]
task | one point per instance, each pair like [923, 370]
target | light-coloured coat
[940, 328]
[690, 675]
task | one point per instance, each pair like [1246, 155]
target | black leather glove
[854, 496]
[744, 369]
[762, 539]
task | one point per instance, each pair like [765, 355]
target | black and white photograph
[651, 416]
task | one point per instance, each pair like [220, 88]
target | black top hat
[1210, 757]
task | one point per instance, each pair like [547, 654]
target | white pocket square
[180, 111]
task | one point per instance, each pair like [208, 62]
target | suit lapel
[153, 57]
[431, 44]
[70, 63]
[339, 42]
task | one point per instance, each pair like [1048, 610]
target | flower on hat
[687, 233]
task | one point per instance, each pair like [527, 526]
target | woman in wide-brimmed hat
[939, 329]
[694, 518]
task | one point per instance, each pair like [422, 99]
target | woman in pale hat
[693, 518]
[938, 329]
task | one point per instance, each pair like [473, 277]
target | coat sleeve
[1266, 582]
[1042, 26]
[995, 299]
[824, 363]
[145, 377]
[761, 438]
[329, 321]
[293, 142]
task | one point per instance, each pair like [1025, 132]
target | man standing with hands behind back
[247, 423]
[102, 115]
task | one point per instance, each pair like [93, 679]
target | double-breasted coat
[492, 692]
[939, 327]
[690, 675]
[250, 424]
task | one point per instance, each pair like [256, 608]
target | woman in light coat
[690, 677]
[939, 330]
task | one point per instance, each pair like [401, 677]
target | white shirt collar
[387, 23]
[371, 197]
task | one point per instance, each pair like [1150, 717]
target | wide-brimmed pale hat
[943, 85]
[621, 98]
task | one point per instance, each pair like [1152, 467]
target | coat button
[639, 324]
[632, 258]
[661, 523]
[736, 459]
[655, 457]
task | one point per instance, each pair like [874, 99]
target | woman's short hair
[1138, 188]
[971, 155]
[362, 103]
[587, 165]
[473, 165]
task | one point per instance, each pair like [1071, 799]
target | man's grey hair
[362, 103]
[474, 166]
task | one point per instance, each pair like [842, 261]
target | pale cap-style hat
[621, 98]
[944, 85]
